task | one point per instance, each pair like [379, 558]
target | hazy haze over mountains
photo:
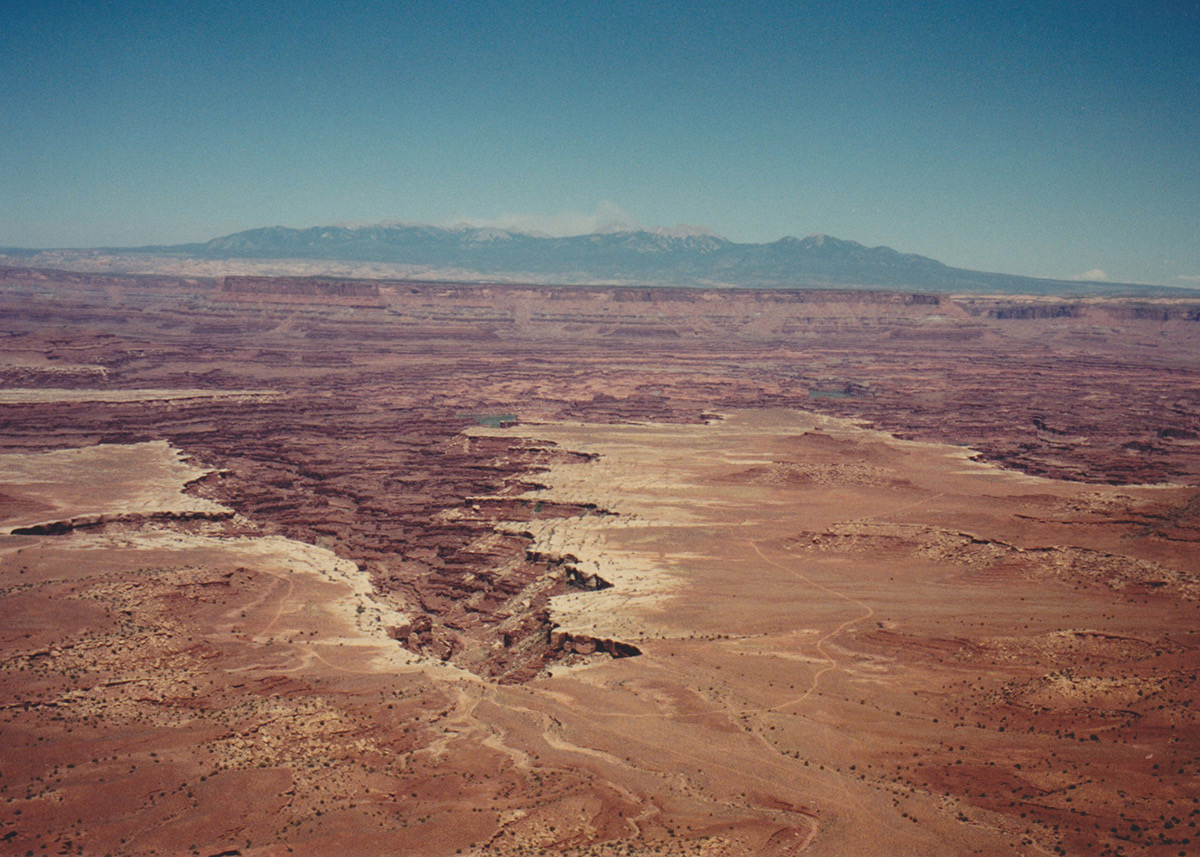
[684, 255]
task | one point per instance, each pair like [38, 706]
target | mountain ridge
[622, 255]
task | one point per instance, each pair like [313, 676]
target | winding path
[868, 612]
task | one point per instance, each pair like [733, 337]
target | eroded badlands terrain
[390, 568]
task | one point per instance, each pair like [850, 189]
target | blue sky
[1044, 138]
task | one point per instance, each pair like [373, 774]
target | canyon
[317, 566]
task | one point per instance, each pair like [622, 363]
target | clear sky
[1048, 137]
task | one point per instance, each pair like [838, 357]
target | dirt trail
[824, 638]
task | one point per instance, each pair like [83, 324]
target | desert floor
[468, 570]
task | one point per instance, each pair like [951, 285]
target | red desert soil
[399, 568]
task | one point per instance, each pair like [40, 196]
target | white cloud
[561, 223]
[1094, 275]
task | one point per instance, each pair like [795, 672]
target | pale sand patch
[40, 362]
[51, 394]
[103, 481]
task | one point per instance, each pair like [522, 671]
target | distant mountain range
[684, 256]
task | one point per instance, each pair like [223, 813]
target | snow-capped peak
[683, 230]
